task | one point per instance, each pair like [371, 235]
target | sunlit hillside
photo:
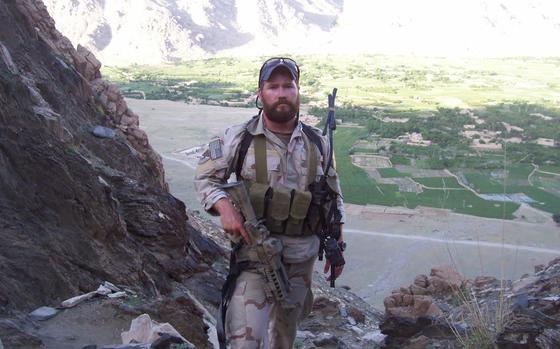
[149, 31]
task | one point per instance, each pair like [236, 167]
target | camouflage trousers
[254, 321]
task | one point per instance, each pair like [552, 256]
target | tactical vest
[285, 211]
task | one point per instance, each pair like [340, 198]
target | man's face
[280, 96]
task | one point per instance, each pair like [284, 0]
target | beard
[281, 116]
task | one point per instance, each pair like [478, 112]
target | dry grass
[484, 320]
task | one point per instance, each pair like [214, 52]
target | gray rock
[109, 285]
[304, 335]
[326, 339]
[104, 291]
[117, 294]
[357, 330]
[376, 337]
[43, 313]
[352, 321]
[91, 346]
[103, 132]
[127, 346]
[343, 312]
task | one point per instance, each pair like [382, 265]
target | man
[290, 162]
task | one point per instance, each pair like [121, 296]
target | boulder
[43, 313]
[417, 290]
[444, 279]
[144, 330]
[411, 306]
[421, 281]
[103, 132]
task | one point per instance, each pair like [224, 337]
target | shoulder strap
[311, 160]
[261, 170]
[242, 152]
[314, 137]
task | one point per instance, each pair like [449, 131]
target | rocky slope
[83, 197]
[444, 310]
[153, 31]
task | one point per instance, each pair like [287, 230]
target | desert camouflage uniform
[249, 312]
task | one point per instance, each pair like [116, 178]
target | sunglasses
[272, 63]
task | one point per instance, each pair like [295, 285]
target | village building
[516, 140]
[476, 144]
[547, 142]
[510, 128]
[414, 139]
[484, 140]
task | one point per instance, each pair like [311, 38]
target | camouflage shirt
[287, 167]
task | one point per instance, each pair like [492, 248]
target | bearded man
[280, 159]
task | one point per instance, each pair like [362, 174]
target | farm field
[396, 82]
[359, 188]
[392, 173]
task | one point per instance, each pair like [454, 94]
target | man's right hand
[231, 220]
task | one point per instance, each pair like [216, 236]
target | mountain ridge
[153, 32]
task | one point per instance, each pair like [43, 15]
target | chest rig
[285, 210]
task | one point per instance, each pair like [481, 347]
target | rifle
[322, 194]
[268, 249]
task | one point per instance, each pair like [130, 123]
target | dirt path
[497, 245]
[435, 188]
[184, 162]
[535, 169]
[463, 184]
[550, 173]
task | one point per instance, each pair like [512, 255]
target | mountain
[155, 31]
